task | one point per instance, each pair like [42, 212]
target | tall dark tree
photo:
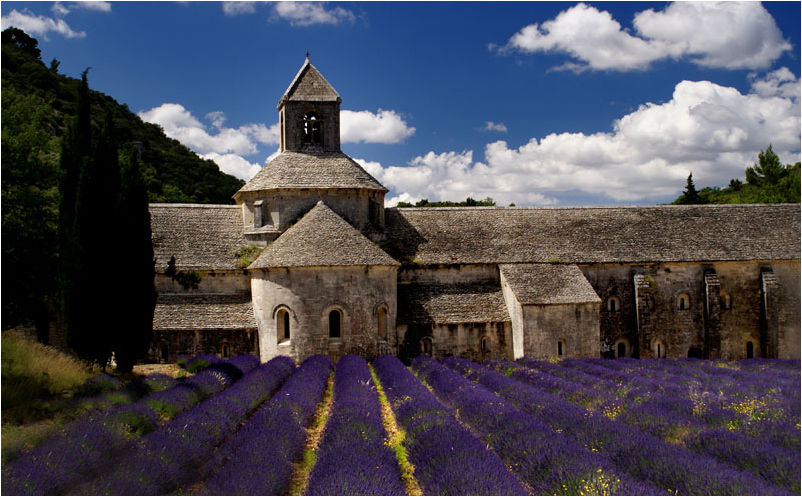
[690, 195]
[138, 296]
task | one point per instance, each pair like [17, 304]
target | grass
[37, 385]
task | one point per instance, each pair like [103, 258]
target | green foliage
[690, 195]
[247, 254]
[187, 279]
[767, 182]
[469, 202]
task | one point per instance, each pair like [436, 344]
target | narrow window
[165, 353]
[560, 348]
[283, 325]
[426, 346]
[485, 345]
[659, 350]
[622, 349]
[613, 304]
[335, 323]
[726, 301]
[382, 315]
[313, 132]
[225, 352]
[750, 349]
[683, 302]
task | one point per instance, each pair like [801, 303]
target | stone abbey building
[335, 272]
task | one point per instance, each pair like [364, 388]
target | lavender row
[547, 461]
[258, 459]
[448, 460]
[352, 458]
[669, 418]
[171, 456]
[83, 448]
[641, 455]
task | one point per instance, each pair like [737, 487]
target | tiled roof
[548, 284]
[322, 238]
[311, 170]
[595, 235]
[451, 304]
[203, 312]
[310, 85]
[200, 236]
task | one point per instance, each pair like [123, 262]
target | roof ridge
[593, 207]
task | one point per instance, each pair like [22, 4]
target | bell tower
[309, 113]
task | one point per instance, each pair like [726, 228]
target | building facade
[309, 261]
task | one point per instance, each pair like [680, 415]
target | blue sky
[536, 103]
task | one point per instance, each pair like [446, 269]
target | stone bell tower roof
[310, 86]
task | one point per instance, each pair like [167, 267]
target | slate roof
[200, 236]
[594, 235]
[323, 170]
[203, 312]
[309, 84]
[322, 238]
[548, 284]
[451, 304]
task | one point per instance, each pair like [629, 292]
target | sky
[531, 103]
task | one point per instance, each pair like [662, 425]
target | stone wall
[292, 114]
[228, 282]
[310, 294]
[576, 326]
[450, 274]
[166, 346]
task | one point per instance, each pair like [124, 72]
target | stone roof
[322, 238]
[451, 303]
[309, 85]
[203, 312]
[548, 284]
[200, 236]
[324, 170]
[594, 235]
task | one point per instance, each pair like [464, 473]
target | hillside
[38, 106]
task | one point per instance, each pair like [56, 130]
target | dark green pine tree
[137, 296]
[768, 171]
[690, 195]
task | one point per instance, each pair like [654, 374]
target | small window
[613, 304]
[485, 345]
[335, 323]
[726, 300]
[426, 346]
[750, 349]
[164, 352]
[659, 349]
[283, 325]
[621, 350]
[683, 302]
[560, 348]
[225, 351]
[382, 318]
[313, 129]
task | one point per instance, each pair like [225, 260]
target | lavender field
[450, 427]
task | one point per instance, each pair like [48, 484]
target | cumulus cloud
[237, 8]
[491, 126]
[308, 13]
[733, 35]
[384, 126]
[62, 9]
[38, 25]
[710, 130]
[234, 165]
[779, 83]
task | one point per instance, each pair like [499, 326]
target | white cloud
[62, 9]
[491, 126]
[308, 13]
[710, 130]
[38, 25]
[180, 124]
[234, 165]
[732, 35]
[237, 8]
[363, 126]
[779, 83]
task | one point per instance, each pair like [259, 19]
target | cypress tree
[134, 331]
[690, 195]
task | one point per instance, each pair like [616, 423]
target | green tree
[768, 170]
[690, 195]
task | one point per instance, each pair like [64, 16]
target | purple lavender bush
[272, 439]
[641, 455]
[172, 455]
[546, 460]
[352, 458]
[448, 460]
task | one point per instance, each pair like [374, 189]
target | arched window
[164, 352]
[335, 323]
[225, 351]
[683, 302]
[283, 325]
[382, 318]
[659, 349]
[613, 304]
[560, 348]
[313, 129]
[750, 349]
[726, 300]
[485, 345]
[426, 346]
